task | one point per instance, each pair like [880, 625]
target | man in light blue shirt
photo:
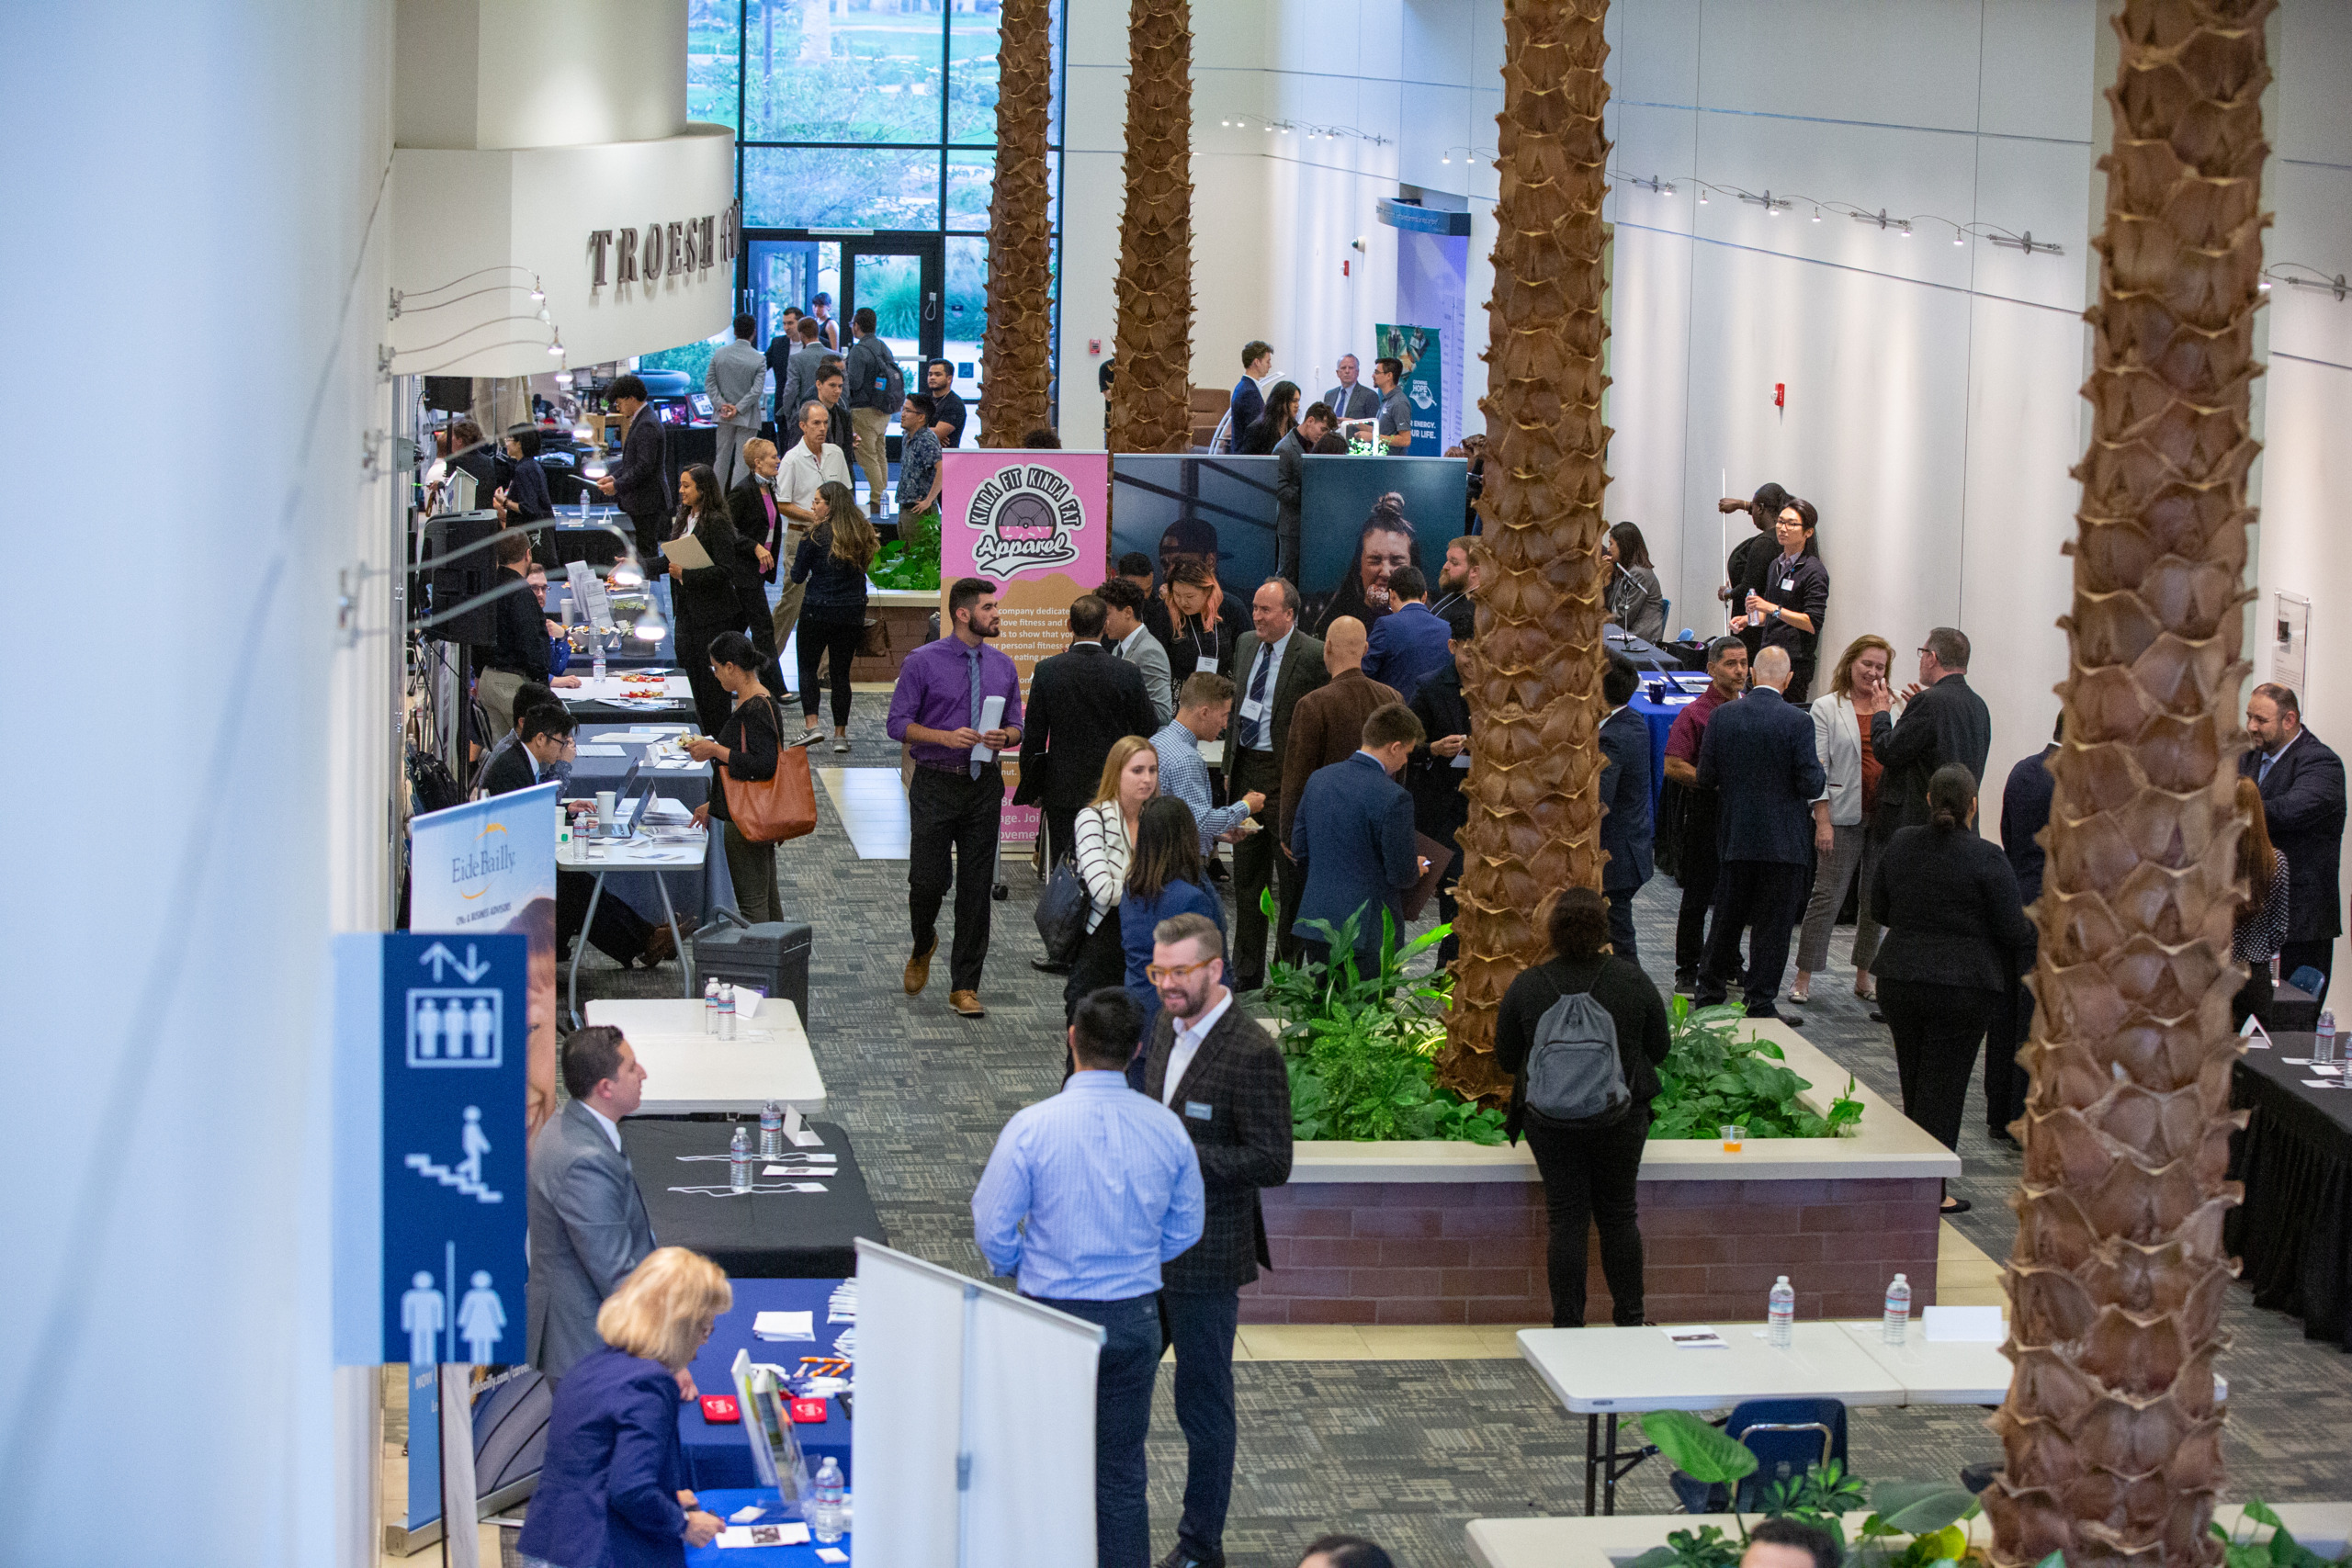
[1201, 709]
[1110, 1187]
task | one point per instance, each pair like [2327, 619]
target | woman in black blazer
[703, 602]
[1955, 942]
[1590, 1173]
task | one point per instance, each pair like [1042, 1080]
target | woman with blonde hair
[1841, 835]
[611, 1491]
[1104, 835]
[2262, 924]
[832, 561]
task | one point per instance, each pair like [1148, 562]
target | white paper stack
[842, 1307]
[784, 1325]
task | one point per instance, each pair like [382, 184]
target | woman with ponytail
[1955, 944]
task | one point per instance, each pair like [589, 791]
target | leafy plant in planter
[1932, 1513]
[2280, 1549]
[1362, 1048]
[911, 560]
[1711, 1078]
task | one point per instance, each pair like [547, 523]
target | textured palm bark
[1016, 367]
[2111, 1438]
[1533, 673]
[1151, 399]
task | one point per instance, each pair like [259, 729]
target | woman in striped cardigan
[1105, 837]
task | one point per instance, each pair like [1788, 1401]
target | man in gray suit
[588, 1223]
[1123, 606]
[1352, 399]
[734, 380]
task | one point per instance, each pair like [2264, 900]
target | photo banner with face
[1221, 511]
[1037, 526]
[489, 867]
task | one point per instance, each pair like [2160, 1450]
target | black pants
[2005, 1079]
[817, 639]
[1200, 1325]
[2254, 997]
[712, 704]
[619, 932]
[1590, 1180]
[1257, 866]
[1100, 962]
[1697, 877]
[2319, 955]
[952, 827]
[1311, 951]
[1061, 833]
[1763, 898]
[1621, 922]
[1798, 692]
[1449, 904]
[1937, 1030]
[648, 527]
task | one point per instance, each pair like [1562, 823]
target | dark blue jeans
[1200, 1325]
[1123, 1384]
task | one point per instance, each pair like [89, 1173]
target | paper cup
[607, 802]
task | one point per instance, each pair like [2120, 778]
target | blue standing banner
[1420, 352]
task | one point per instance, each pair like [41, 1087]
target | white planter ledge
[1578, 1542]
[1886, 1145]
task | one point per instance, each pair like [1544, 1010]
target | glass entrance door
[903, 282]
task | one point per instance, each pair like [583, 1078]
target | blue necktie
[977, 763]
[2262, 775]
[1252, 728]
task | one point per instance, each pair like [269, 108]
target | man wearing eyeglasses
[1221, 1073]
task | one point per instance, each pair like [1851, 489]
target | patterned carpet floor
[1404, 1451]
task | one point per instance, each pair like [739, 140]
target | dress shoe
[967, 1003]
[918, 969]
[661, 942]
[1185, 1557]
[1048, 966]
[1955, 1206]
[2006, 1140]
[1877, 1017]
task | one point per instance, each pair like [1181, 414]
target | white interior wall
[167, 1061]
[2306, 468]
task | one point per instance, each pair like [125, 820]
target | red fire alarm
[1343, 266]
[1780, 394]
[1094, 347]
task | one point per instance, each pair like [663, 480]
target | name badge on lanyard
[1788, 584]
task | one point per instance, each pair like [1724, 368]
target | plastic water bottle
[2324, 1042]
[710, 1006]
[825, 1502]
[1781, 1314]
[771, 1131]
[1897, 1320]
[596, 653]
[726, 1011]
[739, 1159]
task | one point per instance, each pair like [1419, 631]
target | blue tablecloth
[690, 893]
[721, 1456]
[1659, 715]
[724, 1501]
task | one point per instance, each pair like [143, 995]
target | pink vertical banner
[1038, 525]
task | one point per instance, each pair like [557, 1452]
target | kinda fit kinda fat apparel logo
[1025, 514]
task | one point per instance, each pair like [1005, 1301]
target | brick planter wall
[1446, 1252]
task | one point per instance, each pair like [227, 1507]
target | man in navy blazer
[2303, 804]
[1407, 645]
[1626, 795]
[1759, 754]
[1354, 835]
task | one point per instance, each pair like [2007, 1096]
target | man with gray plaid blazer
[1223, 1074]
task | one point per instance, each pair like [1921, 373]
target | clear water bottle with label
[596, 653]
[710, 1006]
[726, 1011]
[825, 1502]
[1781, 1314]
[2324, 1040]
[771, 1131]
[1897, 1320]
[739, 1159]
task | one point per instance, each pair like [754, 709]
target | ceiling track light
[2028, 243]
[1772, 205]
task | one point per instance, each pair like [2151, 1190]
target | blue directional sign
[454, 1021]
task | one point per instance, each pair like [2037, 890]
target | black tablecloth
[762, 1235]
[2295, 1157]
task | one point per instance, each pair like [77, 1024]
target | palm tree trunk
[2111, 1436]
[1533, 674]
[1016, 369]
[1151, 399]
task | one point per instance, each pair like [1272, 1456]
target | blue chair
[1788, 1437]
[2309, 981]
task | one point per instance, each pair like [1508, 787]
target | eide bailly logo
[1025, 514]
[490, 855]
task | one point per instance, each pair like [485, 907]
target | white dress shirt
[1272, 653]
[1188, 1045]
[612, 1129]
[802, 471]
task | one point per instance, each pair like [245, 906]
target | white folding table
[1603, 1373]
[689, 1071]
[681, 850]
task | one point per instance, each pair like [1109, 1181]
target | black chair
[1788, 1436]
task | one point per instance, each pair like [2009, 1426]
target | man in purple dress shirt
[956, 797]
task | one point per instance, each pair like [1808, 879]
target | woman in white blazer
[1841, 724]
[1103, 837]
